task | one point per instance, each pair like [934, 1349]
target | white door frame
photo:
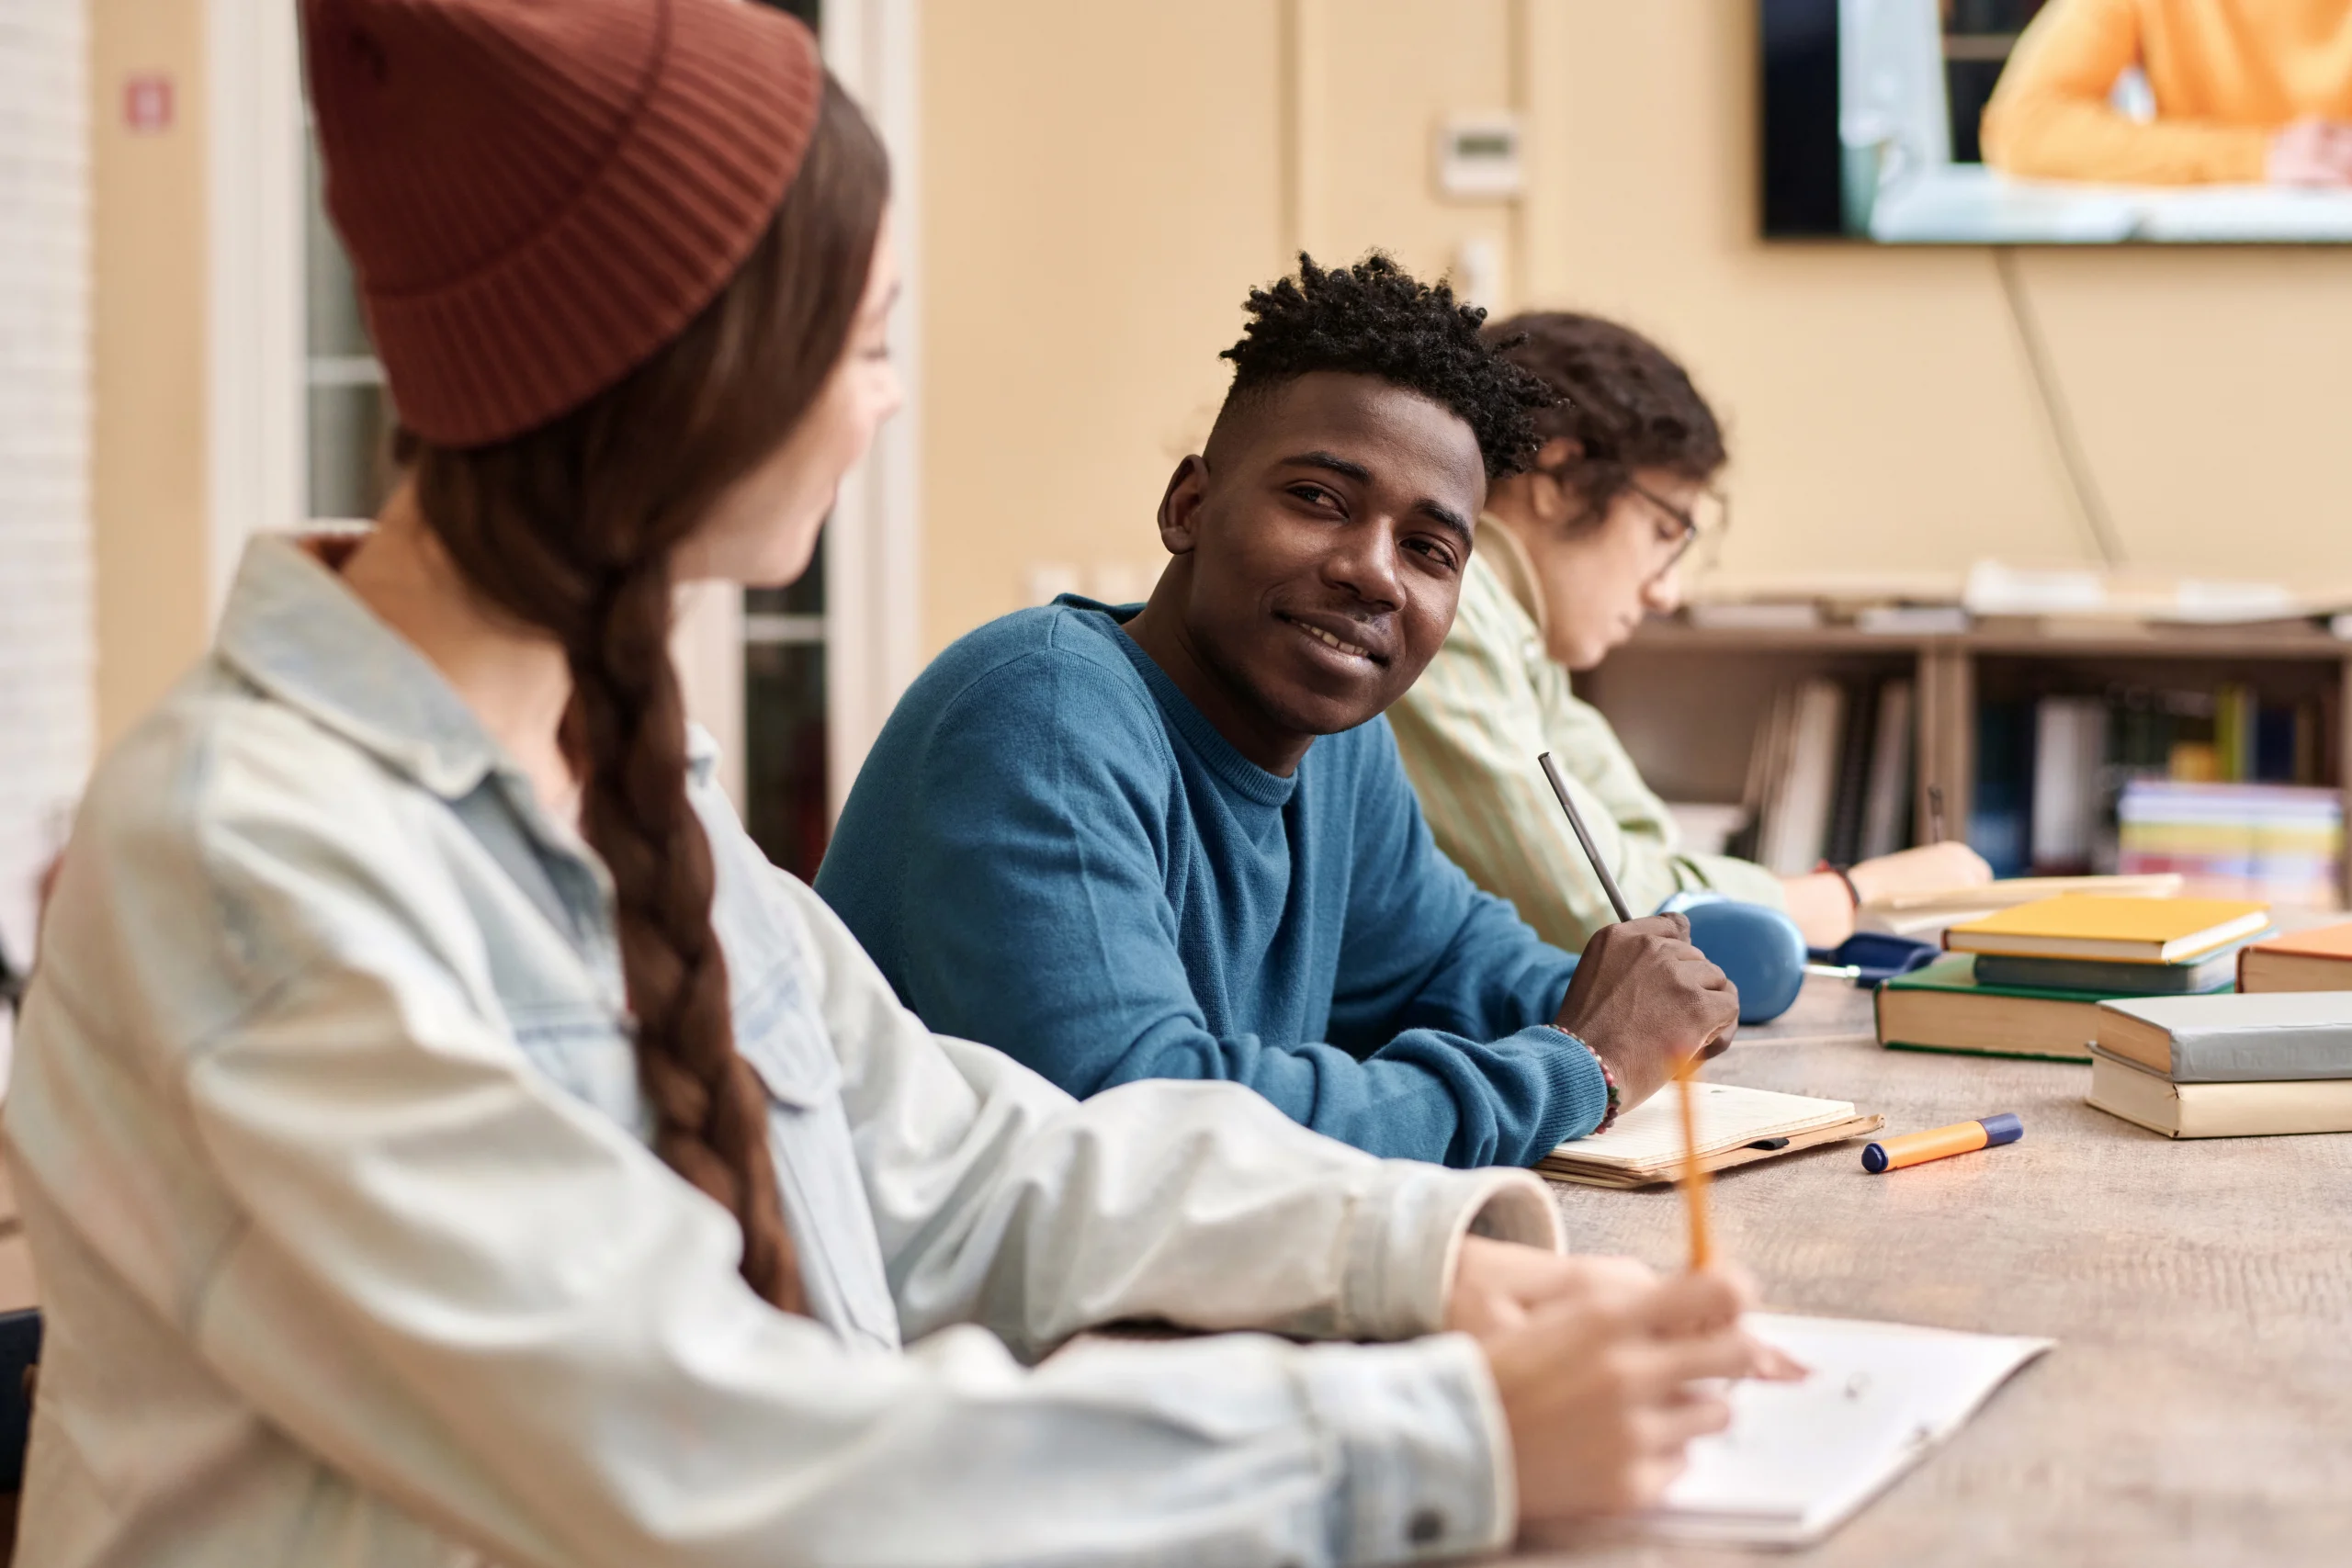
[254, 381]
[873, 631]
[873, 561]
[48, 588]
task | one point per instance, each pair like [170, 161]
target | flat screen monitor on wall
[2057, 122]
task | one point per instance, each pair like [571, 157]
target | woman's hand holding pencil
[1605, 1387]
[1498, 1285]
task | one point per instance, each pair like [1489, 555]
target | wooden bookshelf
[1687, 700]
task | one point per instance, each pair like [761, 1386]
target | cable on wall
[2056, 412]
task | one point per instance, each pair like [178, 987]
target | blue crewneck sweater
[1051, 851]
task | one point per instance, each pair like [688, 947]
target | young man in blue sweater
[1177, 841]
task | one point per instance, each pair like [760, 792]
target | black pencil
[1591, 853]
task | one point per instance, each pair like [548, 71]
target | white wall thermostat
[1478, 157]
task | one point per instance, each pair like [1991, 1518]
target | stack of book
[2275, 1057]
[2028, 981]
[2052, 772]
[2243, 840]
[2227, 1066]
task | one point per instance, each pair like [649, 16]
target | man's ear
[1187, 489]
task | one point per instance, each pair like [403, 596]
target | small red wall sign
[147, 102]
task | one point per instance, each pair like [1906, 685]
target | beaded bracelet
[1616, 1096]
[1609, 1079]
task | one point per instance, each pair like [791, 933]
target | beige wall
[148, 307]
[1371, 84]
[1104, 182]
[1882, 418]
[1101, 184]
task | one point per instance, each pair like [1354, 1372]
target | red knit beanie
[538, 193]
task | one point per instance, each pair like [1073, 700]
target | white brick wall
[48, 696]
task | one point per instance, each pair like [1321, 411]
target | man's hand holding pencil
[1646, 1000]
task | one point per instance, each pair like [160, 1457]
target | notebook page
[1801, 1459]
[1727, 1116]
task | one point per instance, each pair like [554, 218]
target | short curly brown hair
[1622, 400]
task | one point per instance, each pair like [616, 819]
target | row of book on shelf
[1829, 776]
[2199, 1019]
[2227, 791]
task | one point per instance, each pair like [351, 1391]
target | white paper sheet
[1801, 1459]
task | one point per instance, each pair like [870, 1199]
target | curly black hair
[1377, 319]
[1622, 400]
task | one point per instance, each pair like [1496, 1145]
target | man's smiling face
[1320, 544]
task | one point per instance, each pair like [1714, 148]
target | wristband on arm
[1852, 893]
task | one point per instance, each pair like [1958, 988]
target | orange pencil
[1694, 1179]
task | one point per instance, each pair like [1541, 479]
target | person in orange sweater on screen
[2246, 91]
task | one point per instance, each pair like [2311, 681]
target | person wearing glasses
[1573, 554]
[1173, 841]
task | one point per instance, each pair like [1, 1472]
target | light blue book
[2264, 1037]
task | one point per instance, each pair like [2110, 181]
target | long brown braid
[571, 527]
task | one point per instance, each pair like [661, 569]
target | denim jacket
[330, 1147]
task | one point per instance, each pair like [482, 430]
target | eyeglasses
[1693, 528]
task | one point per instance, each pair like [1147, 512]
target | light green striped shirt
[1470, 729]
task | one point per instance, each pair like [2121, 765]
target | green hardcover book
[1942, 1007]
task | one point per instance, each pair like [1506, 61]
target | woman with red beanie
[444, 1140]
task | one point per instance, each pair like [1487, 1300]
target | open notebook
[1735, 1126]
[1801, 1459]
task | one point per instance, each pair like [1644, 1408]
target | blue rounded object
[1759, 949]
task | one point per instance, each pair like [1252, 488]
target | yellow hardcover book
[2130, 930]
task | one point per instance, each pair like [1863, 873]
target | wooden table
[2198, 1408]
